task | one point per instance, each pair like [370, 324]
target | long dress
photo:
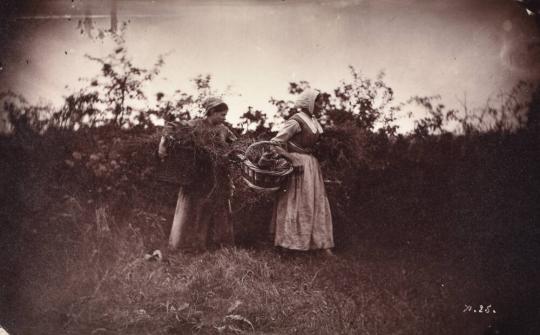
[201, 218]
[302, 219]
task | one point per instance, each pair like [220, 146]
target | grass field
[83, 272]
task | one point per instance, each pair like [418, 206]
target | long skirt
[302, 219]
[201, 222]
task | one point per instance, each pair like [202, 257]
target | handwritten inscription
[480, 309]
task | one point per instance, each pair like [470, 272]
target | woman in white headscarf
[302, 219]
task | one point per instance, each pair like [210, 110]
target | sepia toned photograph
[269, 167]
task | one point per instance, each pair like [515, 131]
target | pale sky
[425, 47]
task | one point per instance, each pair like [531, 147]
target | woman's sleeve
[290, 128]
[162, 149]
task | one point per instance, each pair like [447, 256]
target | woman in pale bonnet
[202, 217]
[302, 219]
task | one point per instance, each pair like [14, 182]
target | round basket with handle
[261, 179]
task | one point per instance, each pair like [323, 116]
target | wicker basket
[259, 179]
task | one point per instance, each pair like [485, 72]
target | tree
[254, 122]
[116, 95]
[533, 114]
[19, 117]
[364, 102]
[185, 106]
[433, 123]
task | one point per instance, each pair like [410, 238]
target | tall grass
[96, 281]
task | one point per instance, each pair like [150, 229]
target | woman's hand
[282, 152]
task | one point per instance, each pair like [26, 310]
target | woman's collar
[312, 122]
[308, 113]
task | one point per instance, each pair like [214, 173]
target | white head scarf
[306, 100]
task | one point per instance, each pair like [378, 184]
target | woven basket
[259, 179]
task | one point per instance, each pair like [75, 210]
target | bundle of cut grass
[197, 155]
[190, 154]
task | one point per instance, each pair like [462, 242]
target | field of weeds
[97, 282]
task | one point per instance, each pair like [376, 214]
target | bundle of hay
[197, 156]
[190, 154]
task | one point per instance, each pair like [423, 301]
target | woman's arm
[168, 130]
[162, 149]
[289, 129]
